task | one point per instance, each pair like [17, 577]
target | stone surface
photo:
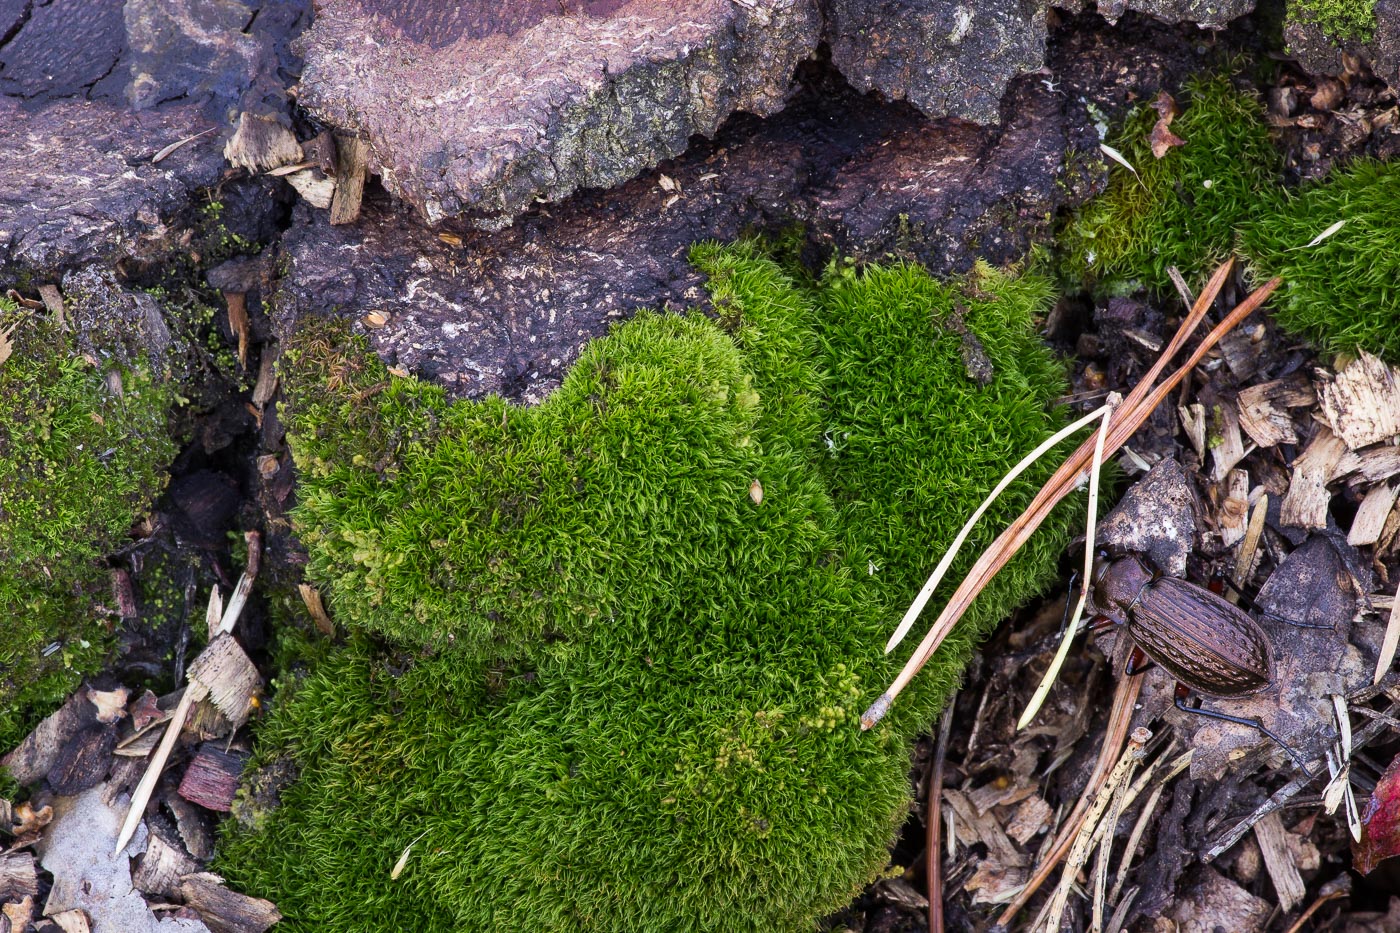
[1208, 14]
[481, 108]
[507, 312]
[91, 90]
[946, 57]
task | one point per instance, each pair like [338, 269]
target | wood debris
[260, 143]
[1361, 404]
[1229, 446]
[1263, 409]
[1278, 859]
[19, 877]
[211, 780]
[351, 166]
[226, 911]
[161, 866]
[1305, 505]
[1372, 515]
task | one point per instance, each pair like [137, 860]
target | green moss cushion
[82, 454]
[623, 638]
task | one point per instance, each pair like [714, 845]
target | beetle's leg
[1181, 692]
[1137, 662]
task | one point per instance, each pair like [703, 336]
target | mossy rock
[613, 649]
[1182, 209]
[82, 453]
[1339, 20]
[1342, 293]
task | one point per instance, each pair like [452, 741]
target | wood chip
[53, 303]
[1305, 505]
[192, 823]
[72, 921]
[1230, 449]
[1362, 402]
[1374, 465]
[20, 913]
[83, 761]
[351, 165]
[1278, 859]
[312, 597]
[315, 187]
[160, 868]
[238, 323]
[211, 780]
[230, 677]
[225, 911]
[1193, 422]
[19, 876]
[266, 385]
[1371, 517]
[1030, 817]
[1264, 409]
[261, 143]
[1234, 509]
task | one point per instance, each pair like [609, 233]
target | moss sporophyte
[604, 685]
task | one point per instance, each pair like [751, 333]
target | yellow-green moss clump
[1338, 19]
[79, 462]
[1180, 210]
[626, 635]
[1344, 292]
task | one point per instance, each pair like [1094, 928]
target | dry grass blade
[1133, 412]
[177, 144]
[1392, 639]
[1118, 778]
[1121, 716]
[1090, 522]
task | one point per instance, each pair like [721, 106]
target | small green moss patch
[80, 459]
[1338, 19]
[1180, 210]
[1344, 292]
[630, 631]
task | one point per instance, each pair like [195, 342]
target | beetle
[1207, 643]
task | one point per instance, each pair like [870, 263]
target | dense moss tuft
[1344, 292]
[1180, 210]
[623, 687]
[1338, 19]
[80, 459]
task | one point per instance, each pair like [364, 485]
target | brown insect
[1207, 643]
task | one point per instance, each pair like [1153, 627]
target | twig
[1124, 700]
[1360, 739]
[934, 858]
[1335, 894]
[194, 692]
[1079, 851]
[1130, 415]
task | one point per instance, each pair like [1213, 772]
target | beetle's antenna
[937, 576]
[1053, 671]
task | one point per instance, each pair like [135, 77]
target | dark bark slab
[946, 57]
[507, 312]
[91, 90]
[211, 780]
[480, 108]
[83, 761]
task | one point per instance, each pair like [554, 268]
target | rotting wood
[161, 866]
[1305, 505]
[83, 760]
[1278, 860]
[229, 676]
[351, 165]
[1264, 409]
[1193, 422]
[266, 386]
[1371, 516]
[225, 911]
[37, 754]
[211, 780]
[19, 876]
[1361, 403]
[260, 143]
[237, 303]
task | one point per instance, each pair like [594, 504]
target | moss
[622, 691]
[1343, 293]
[1338, 19]
[78, 463]
[1181, 210]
